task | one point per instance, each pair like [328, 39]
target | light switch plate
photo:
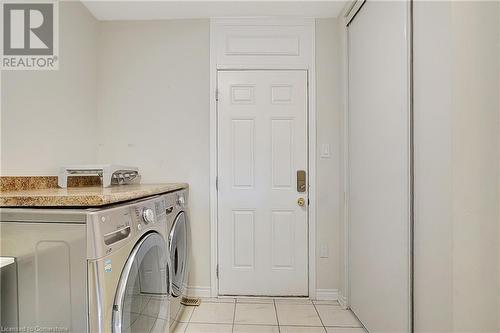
[325, 150]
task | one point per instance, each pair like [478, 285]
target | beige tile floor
[268, 315]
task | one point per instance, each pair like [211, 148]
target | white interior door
[262, 230]
[379, 256]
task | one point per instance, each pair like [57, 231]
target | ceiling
[161, 10]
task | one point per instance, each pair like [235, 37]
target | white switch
[325, 150]
[323, 251]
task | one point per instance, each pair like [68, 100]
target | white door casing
[262, 231]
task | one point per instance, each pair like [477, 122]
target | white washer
[87, 270]
[179, 244]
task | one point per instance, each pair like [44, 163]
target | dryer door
[179, 237]
[142, 298]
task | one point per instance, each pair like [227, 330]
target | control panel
[115, 226]
[110, 228]
[148, 216]
[143, 216]
[181, 201]
[148, 213]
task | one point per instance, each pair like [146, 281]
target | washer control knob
[148, 216]
[181, 201]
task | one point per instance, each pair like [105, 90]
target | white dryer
[179, 239]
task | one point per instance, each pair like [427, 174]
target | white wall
[153, 97]
[153, 106]
[475, 165]
[328, 103]
[137, 92]
[457, 166]
[49, 117]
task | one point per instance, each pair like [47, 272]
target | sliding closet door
[379, 256]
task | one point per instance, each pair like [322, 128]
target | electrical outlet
[323, 251]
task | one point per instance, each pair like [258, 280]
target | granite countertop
[80, 196]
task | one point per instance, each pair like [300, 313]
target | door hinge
[217, 271]
[217, 95]
[216, 183]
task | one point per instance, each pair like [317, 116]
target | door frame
[307, 64]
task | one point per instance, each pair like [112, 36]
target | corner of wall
[329, 190]
[498, 189]
[343, 228]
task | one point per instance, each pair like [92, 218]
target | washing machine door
[179, 237]
[142, 298]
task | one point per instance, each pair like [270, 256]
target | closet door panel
[379, 256]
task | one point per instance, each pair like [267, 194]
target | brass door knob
[301, 202]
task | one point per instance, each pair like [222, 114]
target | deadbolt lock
[301, 181]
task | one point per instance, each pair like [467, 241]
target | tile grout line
[189, 320]
[276, 314]
[275, 306]
[234, 314]
[320, 319]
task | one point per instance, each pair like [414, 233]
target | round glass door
[142, 299]
[179, 253]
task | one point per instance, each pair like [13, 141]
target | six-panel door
[263, 232]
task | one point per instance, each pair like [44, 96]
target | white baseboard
[327, 294]
[198, 291]
[342, 300]
[321, 294]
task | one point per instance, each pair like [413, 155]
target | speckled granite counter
[81, 196]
